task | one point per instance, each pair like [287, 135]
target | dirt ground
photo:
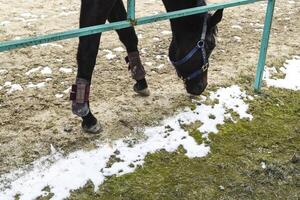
[34, 119]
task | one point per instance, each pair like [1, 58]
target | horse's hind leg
[129, 38]
[93, 12]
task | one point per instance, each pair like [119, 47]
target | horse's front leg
[93, 12]
[129, 38]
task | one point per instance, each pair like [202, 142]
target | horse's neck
[185, 26]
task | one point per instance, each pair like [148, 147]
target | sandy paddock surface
[39, 116]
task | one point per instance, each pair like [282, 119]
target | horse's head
[192, 44]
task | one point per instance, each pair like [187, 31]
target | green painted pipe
[264, 45]
[131, 10]
[9, 45]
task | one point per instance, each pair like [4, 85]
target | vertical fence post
[264, 45]
[131, 10]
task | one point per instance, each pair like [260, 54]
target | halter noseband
[199, 47]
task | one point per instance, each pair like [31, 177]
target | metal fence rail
[132, 21]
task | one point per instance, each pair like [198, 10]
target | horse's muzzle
[195, 87]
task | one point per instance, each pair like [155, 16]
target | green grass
[193, 131]
[233, 168]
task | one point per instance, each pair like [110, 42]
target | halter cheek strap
[199, 47]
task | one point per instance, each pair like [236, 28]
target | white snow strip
[160, 66]
[19, 19]
[31, 20]
[59, 96]
[237, 27]
[67, 90]
[48, 45]
[143, 50]
[17, 38]
[140, 36]
[52, 45]
[119, 49]
[4, 23]
[148, 63]
[48, 79]
[7, 84]
[14, 88]
[158, 57]
[109, 54]
[73, 171]
[36, 86]
[3, 71]
[237, 39]
[33, 70]
[59, 60]
[64, 14]
[263, 165]
[66, 70]
[166, 32]
[291, 69]
[46, 71]
[28, 15]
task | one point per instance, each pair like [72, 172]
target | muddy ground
[34, 119]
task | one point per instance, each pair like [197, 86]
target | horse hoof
[143, 92]
[141, 87]
[94, 129]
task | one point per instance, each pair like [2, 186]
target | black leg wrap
[135, 66]
[80, 97]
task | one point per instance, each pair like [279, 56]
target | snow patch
[28, 15]
[64, 13]
[48, 79]
[73, 171]
[67, 90]
[46, 71]
[3, 71]
[149, 63]
[48, 45]
[36, 86]
[33, 70]
[59, 96]
[263, 165]
[66, 70]
[166, 32]
[109, 55]
[7, 84]
[237, 39]
[140, 36]
[119, 49]
[14, 88]
[4, 23]
[237, 27]
[291, 69]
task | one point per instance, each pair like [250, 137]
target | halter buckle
[205, 67]
[200, 44]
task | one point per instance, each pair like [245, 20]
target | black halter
[199, 47]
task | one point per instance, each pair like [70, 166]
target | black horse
[192, 43]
